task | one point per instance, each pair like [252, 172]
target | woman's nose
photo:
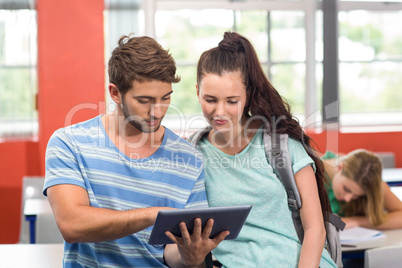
[220, 109]
[348, 197]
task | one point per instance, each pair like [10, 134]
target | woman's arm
[393, 208]
[311, 217]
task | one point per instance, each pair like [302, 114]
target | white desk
[393, 237]
[31, 255]
[397, 190]
[37, 206]
[32, 208]
[392, 176]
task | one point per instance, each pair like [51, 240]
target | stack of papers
[360, 234]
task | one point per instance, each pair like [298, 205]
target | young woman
[238, 102]
[357, 192]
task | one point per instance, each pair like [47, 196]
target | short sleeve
[299, 156]
[329, 155]
[62, 166]
[198, 197]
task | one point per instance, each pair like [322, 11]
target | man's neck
[129, 140]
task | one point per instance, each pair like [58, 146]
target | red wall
[71, 89]
[17, 159]
[372, 141]
[71, 64]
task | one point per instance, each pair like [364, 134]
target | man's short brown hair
[140, 59]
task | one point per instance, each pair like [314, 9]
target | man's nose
[158, 110]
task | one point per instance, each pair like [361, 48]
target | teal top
[335, 205]
[268, 237]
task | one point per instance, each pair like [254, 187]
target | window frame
[315, 117]
[22, 128]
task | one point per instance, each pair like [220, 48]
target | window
[370, 54]
[288, 37]
[18, 75]
[121, 17]
[200, 30]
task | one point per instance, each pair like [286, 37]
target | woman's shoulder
[329, 155]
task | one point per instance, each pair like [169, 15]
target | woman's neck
[235, 141]
[330, 167]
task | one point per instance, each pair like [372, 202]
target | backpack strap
[336, 221]
[277, 153]
[282, 167]
[196, 137]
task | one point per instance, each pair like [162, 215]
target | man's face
[145, 104]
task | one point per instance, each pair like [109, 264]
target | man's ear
[115, 93]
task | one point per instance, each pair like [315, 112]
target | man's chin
[151, 129]
[145, 128]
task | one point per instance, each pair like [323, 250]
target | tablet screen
[225, 218]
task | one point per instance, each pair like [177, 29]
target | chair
[46, 230]
[389, 257]
[387, 159]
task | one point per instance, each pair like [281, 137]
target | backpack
[276, 150]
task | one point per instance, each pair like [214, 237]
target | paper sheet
[360, 234]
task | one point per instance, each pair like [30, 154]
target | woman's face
[344, 188]
[222, 100]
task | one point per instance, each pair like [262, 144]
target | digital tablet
[225, 218]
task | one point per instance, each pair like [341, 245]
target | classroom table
[32, 208]
[31, 255]
[392, 176]
[397, 190]
[393, 237]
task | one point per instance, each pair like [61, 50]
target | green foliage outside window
[16, 96]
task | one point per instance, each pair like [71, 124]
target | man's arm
[79, 222]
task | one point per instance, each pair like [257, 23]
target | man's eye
[143, 101]
[166, 99]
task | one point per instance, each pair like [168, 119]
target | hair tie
[231, 42]
[228, 46]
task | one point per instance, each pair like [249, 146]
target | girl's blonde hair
[365, 168]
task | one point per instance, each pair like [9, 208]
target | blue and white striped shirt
[83, 155]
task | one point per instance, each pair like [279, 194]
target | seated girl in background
[357, 192]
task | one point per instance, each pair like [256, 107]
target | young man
[107, 178]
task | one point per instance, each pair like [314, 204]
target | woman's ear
[198, 91]
[339, 167]
[114, 93]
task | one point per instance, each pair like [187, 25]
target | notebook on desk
[355, 235]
